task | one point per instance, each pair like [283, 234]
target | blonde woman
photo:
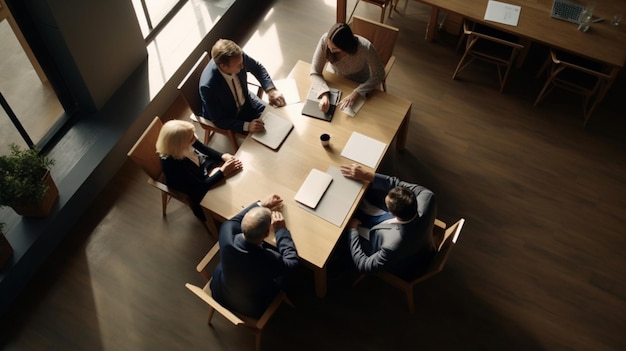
[189, 165]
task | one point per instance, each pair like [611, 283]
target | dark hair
[341, 35]
[402, 203]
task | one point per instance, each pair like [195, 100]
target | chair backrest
[205, 268]
[449, 240]
[143, 153]
[382, 36]
[189, 87]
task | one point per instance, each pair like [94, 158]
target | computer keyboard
[566, 11]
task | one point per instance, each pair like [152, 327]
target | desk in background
[604, 42]
[384, 117]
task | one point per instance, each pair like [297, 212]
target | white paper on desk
[502, 13]
[288, 88]
[363, 149]
[356, 106]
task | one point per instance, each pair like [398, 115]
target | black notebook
[311, 105]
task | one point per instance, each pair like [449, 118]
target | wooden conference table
[384, 117]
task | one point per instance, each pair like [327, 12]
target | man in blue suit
[251, 272]
[392, 228]
[226, 100]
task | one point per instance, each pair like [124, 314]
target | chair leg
[211, 312]
[164, 201]
[461, 66]
[410, 300]
[382, 14]
[233, 141]
[207, 136]
[257, 342]
[544, 91]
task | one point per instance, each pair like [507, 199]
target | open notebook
[313, 188]
[276, 131]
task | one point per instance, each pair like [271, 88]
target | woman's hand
[348, 100]
[227, 156]
[231, 166]
[324, 102]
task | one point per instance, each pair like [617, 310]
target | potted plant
[27, 185]
[5, 248]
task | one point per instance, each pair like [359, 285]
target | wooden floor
[540, 264]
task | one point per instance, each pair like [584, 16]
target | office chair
[445, 239]
[189, 89]
[490, 45]
[382, 36]
[205, 268]
[383, 4]
[578, 75]
[144, 154]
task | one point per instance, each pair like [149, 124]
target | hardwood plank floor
[539, 265]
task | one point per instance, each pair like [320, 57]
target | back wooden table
[603, 42]
[384, 117]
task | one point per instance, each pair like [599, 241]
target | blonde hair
[223, 50]
[174, 138]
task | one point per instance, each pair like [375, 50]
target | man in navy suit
[392, 228]
[251, 272]
[226, 100]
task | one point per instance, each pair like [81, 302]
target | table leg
[431, 29]
[403, 131]
[519, 62]
[320, 281]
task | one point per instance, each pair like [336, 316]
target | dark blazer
[218, 103]
[404, 249]
[249, 276]
[184, 175]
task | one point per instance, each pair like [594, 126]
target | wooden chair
[144, 154]
[490, 45]
[382, 36]
[205, 268]
[189, 89]
[383, 4]
[578, 75]
[445, 239]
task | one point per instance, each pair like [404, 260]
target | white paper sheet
[502, 13]
[363, 149]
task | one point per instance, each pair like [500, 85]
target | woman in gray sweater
[349, 55]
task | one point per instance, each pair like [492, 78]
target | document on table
[276, 130]
[338, 199]
[502, 13]
[363, 149]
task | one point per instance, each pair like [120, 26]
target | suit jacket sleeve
[364, 263]
[286, 248]
[258, 71]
